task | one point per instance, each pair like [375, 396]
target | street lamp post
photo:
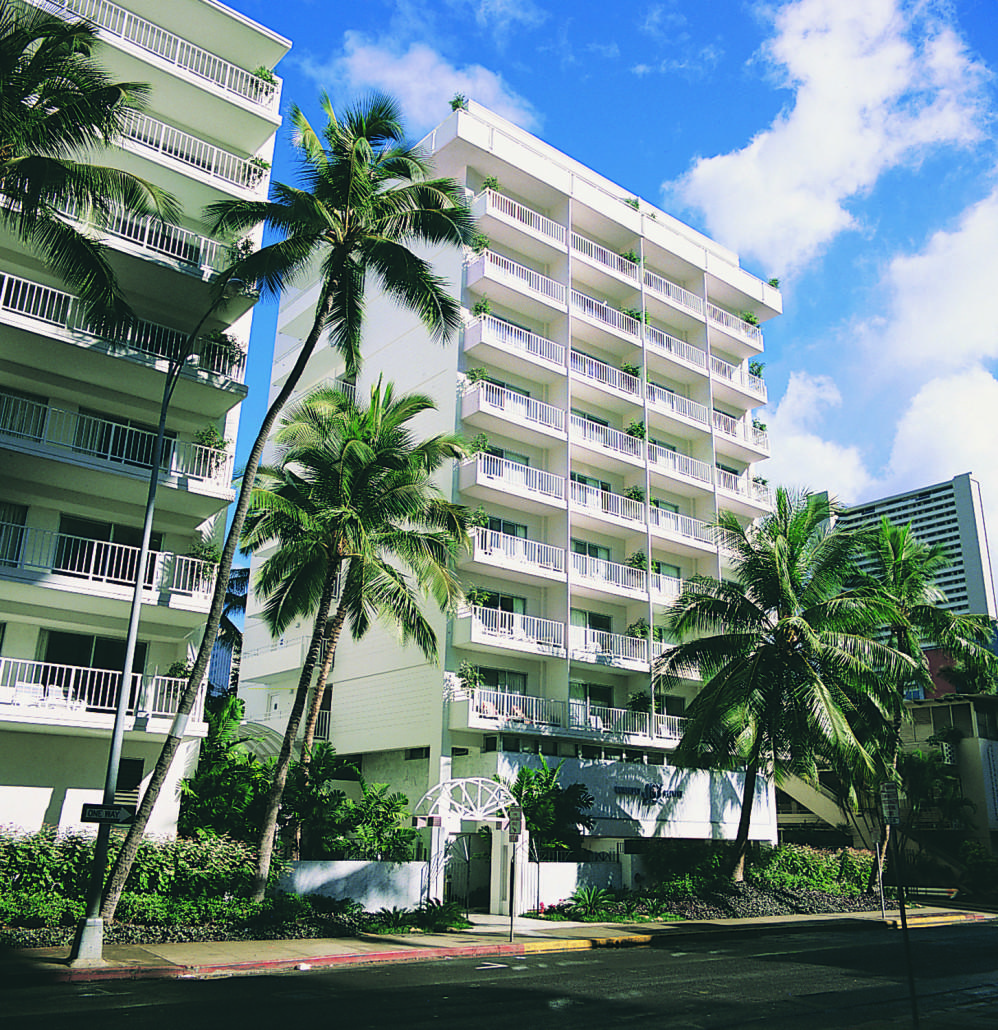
[88, 943]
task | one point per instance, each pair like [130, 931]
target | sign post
[515, 829]
[890, 805]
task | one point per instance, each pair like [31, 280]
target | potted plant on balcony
[477, 445]
[490, 182]
[632, 202]
[481, 307]
[630, 255]
[477, 596]
[636, 429]
[470, 676]
[774, 282]
[636, 313]
[226, 346]
[479, 518]
[211, 439]
[750, 317]
[637, 560]
[266, 75]
[631, 369]
[480, 242]
[759, 425]
[257, 167]
[755, 368]
[179, 670]
[635, 493]
[459, 102]
[476, 375]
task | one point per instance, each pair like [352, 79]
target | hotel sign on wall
[649, 793]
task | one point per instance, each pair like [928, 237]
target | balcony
[521, 558]
[595, 576]
[40, 308]
[664, 589]
[693, 536]
[679, 351]
[675, 295]
[598, 313]
[625, 725]
[600, 257]
[750, 498]
[605, 378]
[49, 695]
[516, 281]
[734, 379]
[735, 436]
[494, 407]
[680, 466]
[68, 436]
[490, 204]
[734, 327]
[613, 649]
[213, 163]
[192, 61]
[484, 476]
[479, 629]
[611, 441]
[601, 506]
[679, 407]
[494, 708]
[506, 345]
[101, 568]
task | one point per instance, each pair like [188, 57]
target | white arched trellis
[473, 798]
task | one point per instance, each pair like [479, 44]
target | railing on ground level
[516, 708]
[546, 635]
[609, 439]
[515, 212]
[77, 436]
[674, 292]
[592, 498]
[176, 50]
[732, 324]
[517, 476]
[613, 574]
[599, 311]
[603, 256]
[682, 464]
[505, 549]
[524, 277]
[100, 561]
[44, 688]
[624, 722]
[605, 375]
[517, 406]
[597, 646]
[674, 347]
[56, 307]
[676, 403]
[511, 337]
[682, 525]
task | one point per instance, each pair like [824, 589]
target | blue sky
[845, 146]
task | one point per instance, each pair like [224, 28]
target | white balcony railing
[100, 561]
[516, 708]
[497, 204]
[734, 325]
[594, 645]
[600, 255]
[623, 722]
[739, 430]
[200, 64]
[598, 311]
[669, 400]
[609, 439]
[675, 293]
[667, 587]
[606, 375]
[737, 375]
[682, 464]
[80, 438]
[745, 487]
[516, 406]
[608, 573]
[544, 635]
[675, 348]
[503, 268]
[68, 691]
[52, 307]
[505, 549]
[518, 477]
[195, 153]
[591, 498]
[681, 525]
[512, 338]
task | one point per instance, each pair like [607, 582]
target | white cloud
[802, 457]
[502, 15]
[874, 85]
[941, 301]
[422, 79]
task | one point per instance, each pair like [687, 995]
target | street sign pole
[890, 803]
[515, 828]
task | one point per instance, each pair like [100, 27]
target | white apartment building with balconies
[78, 416]
[604, 375]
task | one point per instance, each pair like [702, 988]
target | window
[591, 620]
[118, 439]
[591, 550]
[503, 680]
[90, 652]
[591, 418]
[505, 602]
[129, 784]
[727, 468]
[506, 455]
[591, 693]
[12, 520]
[595, 484]
[665, 505]
[497, 525]
[86, 549]
[665, 446]
[665, 569]
[415, 754]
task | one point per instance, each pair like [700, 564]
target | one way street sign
[122, 815]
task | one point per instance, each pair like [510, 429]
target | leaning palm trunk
[741, 837]
[268, 829]
[130, 847]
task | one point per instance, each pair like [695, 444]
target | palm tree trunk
[268, 828]
[741, 837]
[130, 848]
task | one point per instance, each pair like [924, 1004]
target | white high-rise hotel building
[78, 414]
[604, 375]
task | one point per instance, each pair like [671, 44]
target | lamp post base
[88, 944]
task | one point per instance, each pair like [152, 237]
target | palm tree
[57, 107]
[351, 507]
[783, 652]
[366, 198]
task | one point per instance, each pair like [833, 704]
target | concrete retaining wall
[374, 884]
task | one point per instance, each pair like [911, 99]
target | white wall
[375, 885]
[558, 880]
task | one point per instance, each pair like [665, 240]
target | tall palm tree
[366, 198]
[783, 652]
[350, 503]
[57, 110]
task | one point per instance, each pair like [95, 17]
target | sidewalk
[489, 937]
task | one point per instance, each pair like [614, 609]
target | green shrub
[390, 920]
[589, 902]
[434, 916]
[792, 867]
[35, 909]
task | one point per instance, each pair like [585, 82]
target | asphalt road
[812, 981]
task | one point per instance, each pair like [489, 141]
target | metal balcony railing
[608, 573]
[592, 498]
[516, 708]
[193, 60]
[498, 267]
[545, 635]
[668, 587]
[505, 549]
[605, 375]
[85, 438]
[100, 561]
[599, 311]
[675, 348]
[609, 439]
[681, 464]
[734, 325]
[669, 400]
[516, 406]
[623, 722]
[53, 307]
[600, 255]
[736, 375]
[517, 476]
[682, 525]
[60, 691]
[675, 293]
[597, 646]
[497, 204]
[745, 487]
[739, 430]
[512, 338]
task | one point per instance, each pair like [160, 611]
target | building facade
[78, 416]
[604, 380]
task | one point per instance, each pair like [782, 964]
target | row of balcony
[494, 709]
[192, 61]
[94, 566]
[491, 203]
[32, 427]
[518, 342]
[47, 692]
[41, 308]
